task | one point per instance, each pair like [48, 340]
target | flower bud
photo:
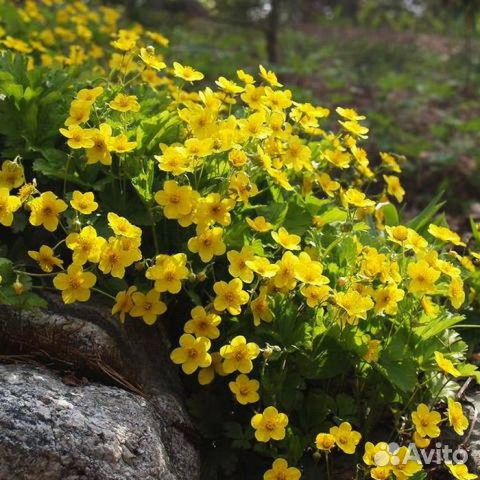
[139, 266]
[18, 287]
[201, 277]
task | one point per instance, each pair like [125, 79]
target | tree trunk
[272, 31]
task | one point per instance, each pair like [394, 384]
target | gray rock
[108, 407]
[472, 440]
[54, 431]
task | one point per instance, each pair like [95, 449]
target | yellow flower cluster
[254, 213]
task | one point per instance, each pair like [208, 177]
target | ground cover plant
[313, 326]
[416, 86]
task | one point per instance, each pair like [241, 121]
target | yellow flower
[208, 243]
[357, 199]
[125, 103]
[241, 188]
[456, 417]
[390, 162]
[285, 277]
[126, 40]
[158, 38]
[404, 467]
[398, 234]
[238, 264]
[281, 471]
[381, 473]
[45, 210]
[355, 128]
[192, 353]
[148, 306]
[150, 59]
[86, 245]
[229, 86]
[45, 258]
[100, 151]
[174, 159]
[460, 472]
[421, 442]
[456, 292]
[269, 425]
[238, 158]
[373, 352]
[328, 185]
[430, 308]
[445, 234]
[238, 355]
[349, 114]
[446, 365]
[325, 441]
[245, 77]
[309, 271]
[79, 113]
[84, 202]
[354, 305]
[186, 73]
[75, 284]
[176, 200]
[9, 204]
[230, 296]
[77, 137]
[121, 226]
[123, 303]
[338, 158]
[16, 44]
[120, 144]
[113, 258]
[11, 175]
[206, 375]
[203, 324]
[214, 209]
[377, 455]
[387, 298]
[253, 96]
[315, 295]
[245, 390]
[260, 308]
[261, 266]
[259, 224]
[346, 438]
[394, 187]
[287, 240]
[423, 278]
[269, 76]
[168, 272]
[89, 94]
[426, 422]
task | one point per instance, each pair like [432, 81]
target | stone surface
[109, 405]
[51, 430]
[472, 439]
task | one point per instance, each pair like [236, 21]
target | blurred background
[411, 66]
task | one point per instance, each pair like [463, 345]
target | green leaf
[402, 374]
[438, 326]
[475, 231]
[297, 220]
[333, 215]
[469, 370]
[427, 214]
[6, 272]
[391, 214]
